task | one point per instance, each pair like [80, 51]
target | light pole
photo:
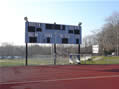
[27, 23]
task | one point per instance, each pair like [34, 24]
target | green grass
[113, 57]
[21, 62]
[12, 62]
[50, 61]
[104, 60]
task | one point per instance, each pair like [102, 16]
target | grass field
[62, 61]
[21, 62]
[104, 60]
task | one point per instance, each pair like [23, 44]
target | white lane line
[80, 78]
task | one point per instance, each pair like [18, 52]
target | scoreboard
[52, 33]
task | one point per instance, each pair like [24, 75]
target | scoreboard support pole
[79, 53]
[55, 48]
[80, 43]
[26, 61]
[55, 54]
[26, 49]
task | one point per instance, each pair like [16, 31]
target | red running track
[60, 77]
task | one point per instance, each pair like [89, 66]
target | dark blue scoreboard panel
[52, 33]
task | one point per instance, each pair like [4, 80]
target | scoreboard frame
[48, 33]
[36, 32]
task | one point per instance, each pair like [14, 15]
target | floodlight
[26, 19]
[80, 23]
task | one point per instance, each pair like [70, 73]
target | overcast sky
[91, 13]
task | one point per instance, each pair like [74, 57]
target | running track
[60, 77]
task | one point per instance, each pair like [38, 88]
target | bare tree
[109, 37]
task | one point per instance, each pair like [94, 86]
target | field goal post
[74, 58]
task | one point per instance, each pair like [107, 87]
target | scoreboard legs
[54, 54]
[79, 53]
[26, 61]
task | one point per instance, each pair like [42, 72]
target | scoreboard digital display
[52, 33]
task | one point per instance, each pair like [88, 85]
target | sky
[91, 13]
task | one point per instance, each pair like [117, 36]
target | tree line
[7, 49]
[106, 37]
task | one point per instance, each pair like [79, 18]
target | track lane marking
[65, 79]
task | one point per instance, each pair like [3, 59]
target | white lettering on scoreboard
[52, 33]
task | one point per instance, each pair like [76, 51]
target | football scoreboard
[52, 33]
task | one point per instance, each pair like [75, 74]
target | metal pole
[55, 46]
[80, 41]
[79, 52]
[26, 29]
[26, 62]
[54, 54]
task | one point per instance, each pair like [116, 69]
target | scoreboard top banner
[52, 33]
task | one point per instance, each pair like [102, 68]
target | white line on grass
[53, 80]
